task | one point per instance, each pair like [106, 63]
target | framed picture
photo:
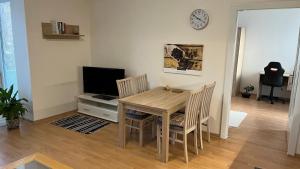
[183, 59]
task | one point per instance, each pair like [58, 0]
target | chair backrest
[141, 83]
[192, 108]
[207, 96]
[126, 87]
[273, 74]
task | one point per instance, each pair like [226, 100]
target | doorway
[229, 74]
[263, 36]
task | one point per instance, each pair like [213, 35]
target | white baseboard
[52, 111]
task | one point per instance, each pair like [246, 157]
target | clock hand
[197, 17]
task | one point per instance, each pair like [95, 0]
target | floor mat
[236, 118]
[81, 123]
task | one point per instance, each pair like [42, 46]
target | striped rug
[81, 123]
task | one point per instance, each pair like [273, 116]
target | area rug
[236, 118]
[81, 123]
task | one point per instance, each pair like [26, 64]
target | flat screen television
[101, 81]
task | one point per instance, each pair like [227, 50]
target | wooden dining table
[158, 101]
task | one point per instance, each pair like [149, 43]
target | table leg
[122, 125]
[165, 137]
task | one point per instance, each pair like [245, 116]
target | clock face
[199, 19]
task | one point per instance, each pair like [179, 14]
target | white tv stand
[104, 109]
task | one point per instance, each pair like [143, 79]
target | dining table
[160, 101]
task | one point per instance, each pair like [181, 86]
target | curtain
[9, 75]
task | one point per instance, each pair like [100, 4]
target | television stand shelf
[105, 109]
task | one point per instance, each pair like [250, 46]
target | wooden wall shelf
[68, 34]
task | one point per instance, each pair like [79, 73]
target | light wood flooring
[260, 141]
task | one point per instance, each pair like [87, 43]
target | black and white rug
[81, 123]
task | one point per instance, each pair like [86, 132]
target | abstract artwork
[183, 59]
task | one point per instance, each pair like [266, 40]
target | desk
[157, 102]
[284, 92]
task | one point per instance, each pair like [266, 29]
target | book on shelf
[54, 27]
[58, 27]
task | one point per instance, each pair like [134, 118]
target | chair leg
[271, 94]
[200, 136]
[141, 128]
[208, 130]
[158, 133]
[131, 123]
[173, 137]
[195, 141]
[185, 147]
[154, 128]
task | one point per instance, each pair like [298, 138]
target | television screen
[98, 80]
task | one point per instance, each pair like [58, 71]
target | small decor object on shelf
[247, 91]
[183, 59]
[76, 30]
[11, 108]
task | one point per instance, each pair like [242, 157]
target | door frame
[231, 43]
[239, 57]
[294, 112]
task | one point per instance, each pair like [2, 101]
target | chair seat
[137, 115]
[176, 121]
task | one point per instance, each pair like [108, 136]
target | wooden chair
[204, 117]
[184, 123]
[126, 87]
[141, 83]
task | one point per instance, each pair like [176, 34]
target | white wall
[131, 34]
[55, 64]
[271, 35]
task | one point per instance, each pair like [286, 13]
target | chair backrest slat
[125, 87]
[141, 83]
[192, 108]
[205, 107]
[131, 86]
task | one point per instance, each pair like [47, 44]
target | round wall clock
[199, 19]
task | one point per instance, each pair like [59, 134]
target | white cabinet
[104, 109]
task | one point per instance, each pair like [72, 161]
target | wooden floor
[260, 141]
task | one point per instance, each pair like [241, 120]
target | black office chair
[273, 77]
